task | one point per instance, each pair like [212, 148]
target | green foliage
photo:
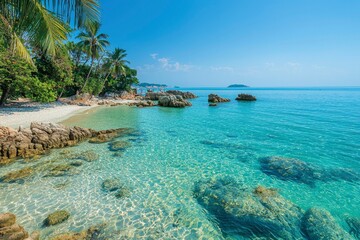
[18, 79]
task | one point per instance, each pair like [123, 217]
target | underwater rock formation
[119, 145]
[110, 185]
[245, 97]
[212, 104]
[40, 137]
[214, 98]
[354, 225]
[291, 169]
[259, 213]
[9, 229]
[108, 135]
[92, 233]
[17, 175]
[318, 224]
[56, 218]
[173, 101]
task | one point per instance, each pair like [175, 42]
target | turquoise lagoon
[175, 148]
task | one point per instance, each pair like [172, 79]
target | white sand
[15, 117]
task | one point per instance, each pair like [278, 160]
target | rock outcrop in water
[251, 213]
[186, 95]
[156, 95]
[92, 233]
[214, 98]
[318, 224]
[43, 136]
[56, 218]
[112, 185]
[291, 169]
[176, 101]
[245, 97]
[10, 230]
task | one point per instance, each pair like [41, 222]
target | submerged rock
[173, 101]
[123, 192]
[92, 233]
[110, 185]
[318, 224]
[18, 175]
[214, 98]
[261, 213]
[88, 155]
[108, 135]
[60, 170]
[290, 169]
[245, 97]
[10, 230]
[56, 218]
[119, 145]
[354, 225]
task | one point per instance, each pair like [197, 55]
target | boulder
[214, 98]
[290, 169]
[92, 233]
[60, 170]
[212, 104]
[108, 135]
[10, 230]
[56, 218]
[173, 101]
[245, 97]
[18, 176]
[110, 185]
[147, 103]
[354, 226]
[154, 96]
[260, 213]
[318, 224]
[185, 95]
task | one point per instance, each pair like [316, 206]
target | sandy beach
[23, 116]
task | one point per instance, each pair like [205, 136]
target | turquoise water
[175, 148]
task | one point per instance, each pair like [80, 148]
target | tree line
[38, 61]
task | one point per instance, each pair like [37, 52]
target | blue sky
[261, 43]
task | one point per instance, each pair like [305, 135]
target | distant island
[237, 86]
[151, 85]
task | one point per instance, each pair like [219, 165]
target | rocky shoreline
[41, 137]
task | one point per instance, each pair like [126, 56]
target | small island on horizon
[237, 85]
[151, 85]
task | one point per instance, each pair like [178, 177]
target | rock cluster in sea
[56, 218]
[245, 97]
[9, 229]
[263, 213]
[214, 98]
[156, 95]
[173, 101]
[40, 137]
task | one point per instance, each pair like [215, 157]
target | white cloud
[154, 55]
[294, 65]
[169, 65]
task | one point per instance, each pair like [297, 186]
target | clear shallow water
[318, 126]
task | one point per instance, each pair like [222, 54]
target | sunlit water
[170, 154]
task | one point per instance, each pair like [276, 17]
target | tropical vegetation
[38, 60]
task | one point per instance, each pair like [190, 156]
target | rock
[155, 95]
[143, 104]
[318, 224]
[76, 163]
[212, 105]
[173, 101]
[92, 233]
[110, 185]
[290, 169]
[59, 171]
[56, 218]
[213, 98]
[10, 230]
[354, 225]
[339, 174]
[17, 175]
[41, 137]
[185, 95]
[123, 192]
[108, 135]
[260, 213]
[119, 145]
[245, 97]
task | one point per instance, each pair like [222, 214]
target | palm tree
[115, 64]
[42, 22]
[93, 43]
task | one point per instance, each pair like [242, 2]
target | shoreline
[23, 116]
